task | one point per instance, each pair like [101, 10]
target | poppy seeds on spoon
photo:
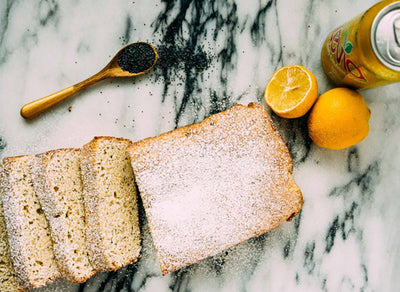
[136, 58]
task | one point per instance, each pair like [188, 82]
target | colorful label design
[340, 47]
[348, 58]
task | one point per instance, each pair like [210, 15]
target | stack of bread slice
[69, 213]
[73, 212]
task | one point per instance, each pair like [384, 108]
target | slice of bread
[29, 237]
[211, 185]
[8, 279]
[113, 234]
[58, 186]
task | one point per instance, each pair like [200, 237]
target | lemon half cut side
[291, 91]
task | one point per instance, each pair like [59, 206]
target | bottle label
[341, 60]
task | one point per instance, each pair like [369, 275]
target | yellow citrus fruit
[291, 91]
[339, 119]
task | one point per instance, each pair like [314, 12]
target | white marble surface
[347, 236]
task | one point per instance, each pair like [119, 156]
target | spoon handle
[38, 106]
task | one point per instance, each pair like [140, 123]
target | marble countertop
[347, 235]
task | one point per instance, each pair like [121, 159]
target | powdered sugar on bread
[58, 186]
[31, 246]
[112, 223]
[211, 185]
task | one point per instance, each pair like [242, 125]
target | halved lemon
[291, 91]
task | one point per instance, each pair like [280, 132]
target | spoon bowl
[114, 68]
[132, 60]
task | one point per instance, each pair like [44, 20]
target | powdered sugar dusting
[58, 187]
[212, 185]
[112, 227]
[28, 233]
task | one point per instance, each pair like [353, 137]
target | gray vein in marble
[3, 144]
[353, 160]
[5, 8]
[128, 29]
[357, 196]
[4, 20]
[48, 12]
[258, 27]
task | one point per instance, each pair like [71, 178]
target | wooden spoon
[132, 60]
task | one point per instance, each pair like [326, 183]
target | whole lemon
[339, 119]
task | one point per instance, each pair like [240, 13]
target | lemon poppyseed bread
[211, 185]
[8, 279]
[28, 232]
[58, 185]
[112, 233]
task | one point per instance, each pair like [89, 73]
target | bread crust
[149, 154]
[283, 151]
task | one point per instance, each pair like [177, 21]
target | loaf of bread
[28, 232]
[9, 281]
[211, 185]
[58, 185]
[112, 233]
